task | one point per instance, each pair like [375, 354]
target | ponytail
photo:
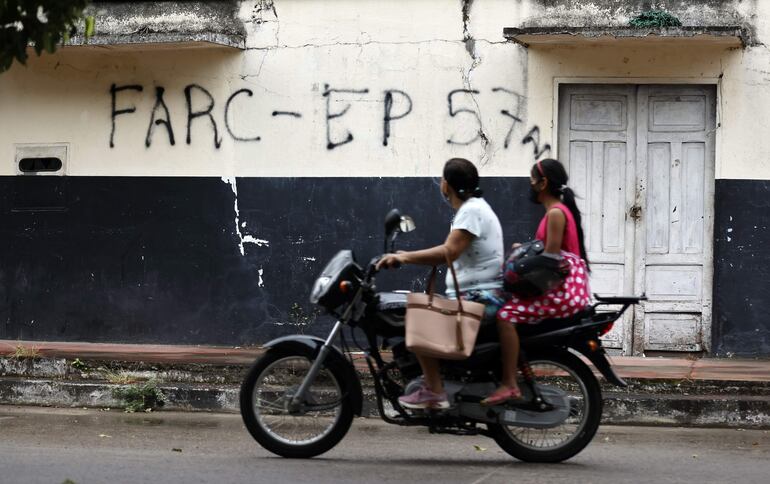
[568, 198]
[554, 172]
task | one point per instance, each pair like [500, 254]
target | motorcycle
[298, 400]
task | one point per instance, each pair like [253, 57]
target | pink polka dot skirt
[565, 300]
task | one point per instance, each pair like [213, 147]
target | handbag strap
[432, 281]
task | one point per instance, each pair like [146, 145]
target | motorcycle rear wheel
[266, 391]
[563, 442]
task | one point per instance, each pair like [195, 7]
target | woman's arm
[555, 230]
[456, 243]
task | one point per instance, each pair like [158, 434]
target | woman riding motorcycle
[475, 247]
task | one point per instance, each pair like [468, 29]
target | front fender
[351, 384]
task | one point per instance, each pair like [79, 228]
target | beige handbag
[439, 327]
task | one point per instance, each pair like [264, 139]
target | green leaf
[90, 26]
[63, 16]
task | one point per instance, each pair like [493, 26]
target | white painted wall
[416, 47]
[412, 46]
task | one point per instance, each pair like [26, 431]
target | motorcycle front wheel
[320, 422]
[568, 373]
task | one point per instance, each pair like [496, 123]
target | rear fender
[351, 384]
[599, 359]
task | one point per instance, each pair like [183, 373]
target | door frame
[708, 268]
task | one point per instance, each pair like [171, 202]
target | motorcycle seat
[389, 301]
[526, 330]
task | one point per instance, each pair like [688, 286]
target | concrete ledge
[662, 391]
[688, 411]
[53, 393]
[133, 25]
[729, 36]
[744, 411]
[148, 353]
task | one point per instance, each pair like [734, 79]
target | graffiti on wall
[200, 107]
[533, 137]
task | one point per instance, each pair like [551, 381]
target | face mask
[533, 194]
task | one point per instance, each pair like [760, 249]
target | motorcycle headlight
[319, 288]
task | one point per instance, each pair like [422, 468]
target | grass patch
[143, 397]
[78, 365]
[121, 378]
[26, 353]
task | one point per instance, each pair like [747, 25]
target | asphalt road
[90, 446]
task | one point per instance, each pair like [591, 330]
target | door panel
[693, 160]
[597, 112]
[650, 147]
[672, 331]
[658, 201]
[677, 113]
[613, 203]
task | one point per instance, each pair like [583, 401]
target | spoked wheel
[568, 373]
[316, 425]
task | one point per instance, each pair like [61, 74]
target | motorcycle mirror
[392, 222]
[406, 224]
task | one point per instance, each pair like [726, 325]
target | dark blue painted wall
[156, 260]
[742, 268]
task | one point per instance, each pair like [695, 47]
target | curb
[745, 411]
[733, 411]
[660, 392]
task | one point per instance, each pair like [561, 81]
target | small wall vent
[41, 159]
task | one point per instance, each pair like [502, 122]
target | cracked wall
[236, 156]
[357, 77]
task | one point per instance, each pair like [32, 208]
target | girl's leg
[431, 372]
[509, 347]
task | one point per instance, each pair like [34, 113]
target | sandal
[501, 396]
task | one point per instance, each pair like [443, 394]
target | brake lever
[372, 269]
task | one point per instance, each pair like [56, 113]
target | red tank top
[570, 241]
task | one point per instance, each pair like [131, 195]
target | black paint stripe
[156, 260]
[741, 325]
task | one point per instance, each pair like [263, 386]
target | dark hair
[557, 177]
[463, 177]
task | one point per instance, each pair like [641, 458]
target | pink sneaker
[424, 398]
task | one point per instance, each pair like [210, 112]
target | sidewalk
[714, 369]
[661, 391]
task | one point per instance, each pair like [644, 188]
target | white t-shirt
[480, 266]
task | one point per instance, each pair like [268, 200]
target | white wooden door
[597, 144]
[674, 256]
[642, 158]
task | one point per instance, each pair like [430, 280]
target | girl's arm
[456, 243]
[555, 230]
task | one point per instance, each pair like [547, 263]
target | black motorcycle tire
[594, 397]
[264, 438]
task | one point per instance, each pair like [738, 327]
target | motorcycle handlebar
[372, 270]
